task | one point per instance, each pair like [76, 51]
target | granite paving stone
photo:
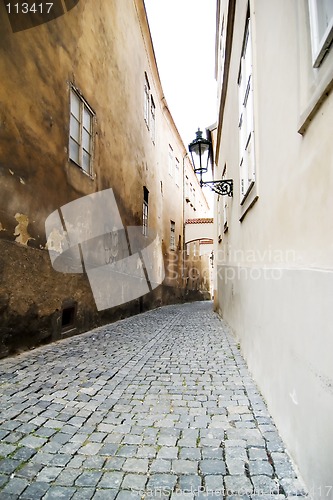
[212, 467]
[88, 478]
[264, 485]
[34, 491]
[159, 405]
[48, 474]
[100, 494]
[59, 493]
[134, 482]
[184, 466]
[160, 465]
[111, 480]
[214, 484]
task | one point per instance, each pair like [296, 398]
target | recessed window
[152, 118]
[170, 168]
[146, 100]
[80, 132]
[149, 109]
[187, 189]
[172, 235]
[321, 22]
[177, 172]
[246, 122]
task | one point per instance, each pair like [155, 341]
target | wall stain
[21, 230]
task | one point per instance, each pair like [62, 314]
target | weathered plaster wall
[103, 49]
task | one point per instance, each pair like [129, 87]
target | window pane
[75, 105]
[74, 151]
[146, 105]
[170, 162]
[75, 129]
[177, 172]
[86, 162]
[86, 140]
[87, 119]
[152, 119]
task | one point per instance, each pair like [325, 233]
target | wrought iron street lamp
[201, 153]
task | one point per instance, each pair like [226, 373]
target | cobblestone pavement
[160, 404]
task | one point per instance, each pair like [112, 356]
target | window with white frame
[80, 132]
[246, 123]
[172, 235]
[321, 23]
[170, 165]
[146, 100]
[177, 171]
[145, 212]
[152, 118]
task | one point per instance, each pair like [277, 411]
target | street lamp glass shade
[200, 150]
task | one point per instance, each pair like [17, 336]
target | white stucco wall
[275, 274]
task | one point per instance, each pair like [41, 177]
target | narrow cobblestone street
[160, 404]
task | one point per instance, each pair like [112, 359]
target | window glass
[325, 14]
[86, 161]
[321, 22]
[170, 161]
[177, 172]
[246, 122]
[75, 128]
[87, 119]
[152, 119]
[86, 140]
[74, 150]
[75, 105]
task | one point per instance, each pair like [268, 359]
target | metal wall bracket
[224, 187]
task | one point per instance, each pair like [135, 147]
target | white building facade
[273, 238]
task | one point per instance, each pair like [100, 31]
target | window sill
[248, 200]
[324, 86]
[248, 191]
[90, 176]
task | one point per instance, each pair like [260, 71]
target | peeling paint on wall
[21, 230]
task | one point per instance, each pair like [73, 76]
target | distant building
[82, 111]
[273, 248]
